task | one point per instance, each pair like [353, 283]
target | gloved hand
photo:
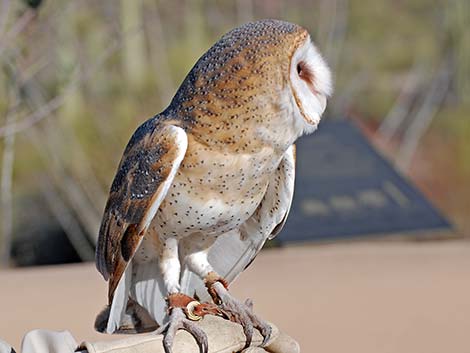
[223, 336]
[5, 347]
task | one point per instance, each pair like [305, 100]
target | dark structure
[344, 188]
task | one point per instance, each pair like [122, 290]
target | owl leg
[169, 263]
[217, 287]
[182, 309]
[236, 311]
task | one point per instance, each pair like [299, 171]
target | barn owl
[203, 185]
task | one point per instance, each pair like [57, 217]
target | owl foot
[179, 321]
[183, 312]
[241, 313]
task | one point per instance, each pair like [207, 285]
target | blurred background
[77, 78]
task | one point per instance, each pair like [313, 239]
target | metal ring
[190, 311]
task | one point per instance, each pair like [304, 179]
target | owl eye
[304, 72]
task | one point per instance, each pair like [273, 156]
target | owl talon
[249, 303]
[241, 313]
[179, 321]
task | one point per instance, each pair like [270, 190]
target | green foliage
[454, 123]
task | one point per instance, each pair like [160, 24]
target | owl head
[310, 83]
[265, 73]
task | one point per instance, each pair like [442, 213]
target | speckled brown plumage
[233, 87]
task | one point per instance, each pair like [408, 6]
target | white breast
[215, 196]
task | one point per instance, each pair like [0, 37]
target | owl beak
[314, 118]
[322, 101]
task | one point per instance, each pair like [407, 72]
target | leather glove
[224, 337]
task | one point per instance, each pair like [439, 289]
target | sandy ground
[356, 297]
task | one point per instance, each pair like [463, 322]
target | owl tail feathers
[137, 304]
[135, 320]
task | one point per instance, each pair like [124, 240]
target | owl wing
[271, 215]
[234, 251]
[146, 171]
